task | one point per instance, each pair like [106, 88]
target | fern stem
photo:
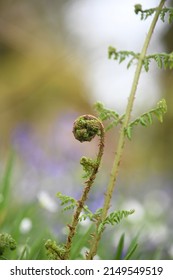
[121, 142]
[89, 183]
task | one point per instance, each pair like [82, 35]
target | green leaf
[122, 58]
[107, 114]
[158, 59]
[138, 8]
[88, 165]
[67, 200]
[130, 63]
[147, 118]
[55, 251]
[115, 218]
[148, 12]
[111, 51]
[162, 59]
[146, 63]
[120, 248]
[132, 248]
[131, 252]
[170, 19]
[122, 55]
[89, 214]
[128, 132]
[5, 182]
[79, 242]
[143, 121]
[25, 252]
[6, 242]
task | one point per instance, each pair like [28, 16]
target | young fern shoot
[87, 127]
[125, 123]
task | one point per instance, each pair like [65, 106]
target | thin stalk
[121, 142]
[88, 184]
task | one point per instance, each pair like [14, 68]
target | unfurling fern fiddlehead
[85, 129]
[121, 142]
[6, 242]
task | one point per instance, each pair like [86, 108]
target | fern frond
[6, 242]
[90, 215]
[120, 56]
[166, 11]
[54, 250]
[70, 202]
[149, 12]
[88, 165]
[163, 60]
[115, 218]
[146, 62]
[144, 13]
[87, 213]
[146, 119]
[105, 114]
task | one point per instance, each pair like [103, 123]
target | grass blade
[5, 182]
[120, 247]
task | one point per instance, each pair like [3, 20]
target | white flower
[25, 225]
[47, 202]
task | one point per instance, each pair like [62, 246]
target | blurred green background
[45, 83]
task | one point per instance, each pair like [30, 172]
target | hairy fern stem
[115, 168]
[85, 129]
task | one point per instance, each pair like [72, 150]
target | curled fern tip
[86, 128]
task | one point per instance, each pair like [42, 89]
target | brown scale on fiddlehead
[85, 128]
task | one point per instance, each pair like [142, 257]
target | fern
[120, 56]
[54, 251]
[149, 12]
[88, 165]
[105, 114]
[90, 215]
[163, 60]
[6, 242]
[146, 119]
[86, 127]
[70, 202]
[114, 218]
